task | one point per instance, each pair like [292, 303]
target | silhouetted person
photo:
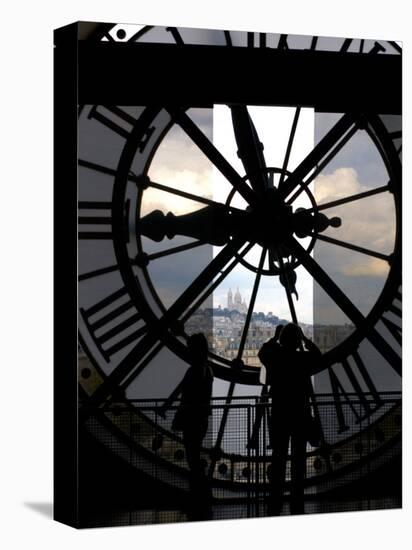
[289, 368]
[192, 416]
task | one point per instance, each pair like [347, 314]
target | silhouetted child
[289, 368]
[192, 416]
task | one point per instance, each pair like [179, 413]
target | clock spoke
[289, 146]
[173, 250]
[170, 400]
[350, 246]
[96, 167]
[345, 304]
[329, 144]
[350, 198]
[199, 138]
[146, 182]
[223, 274]
[250, 149]
[251, 304]
[321, 165]
[328, 285]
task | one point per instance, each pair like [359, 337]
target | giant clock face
[273, 222]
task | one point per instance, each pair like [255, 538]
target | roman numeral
[283, 42]
[99, 213]
[396, 138]
[366, 402]
[176, 35]
[260, 39]
[96, 222]
[394, 324]
[376, 48]
[120, 122]
[106, 328]
[111, 117]
[228, 38]
[313, 43]
[392, 320]
[346, 44]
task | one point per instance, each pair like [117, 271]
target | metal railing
[141, 432]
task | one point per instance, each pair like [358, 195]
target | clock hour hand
[250, 149]
[269, 223]
[213, 225]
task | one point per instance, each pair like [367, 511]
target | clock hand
[213, 224]
[267, 223]
[250, 149]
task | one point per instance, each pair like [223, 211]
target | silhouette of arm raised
[315, 354]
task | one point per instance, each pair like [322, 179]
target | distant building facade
[236, 302]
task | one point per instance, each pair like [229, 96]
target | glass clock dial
[282, 225]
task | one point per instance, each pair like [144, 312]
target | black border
[65, 275]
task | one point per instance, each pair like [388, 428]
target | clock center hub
[271, 219]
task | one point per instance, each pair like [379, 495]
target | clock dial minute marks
[345, 304]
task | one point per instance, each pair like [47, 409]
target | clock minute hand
[250, 149]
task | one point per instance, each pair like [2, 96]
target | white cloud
[368, 223]
[198, 183]
[372, 267]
